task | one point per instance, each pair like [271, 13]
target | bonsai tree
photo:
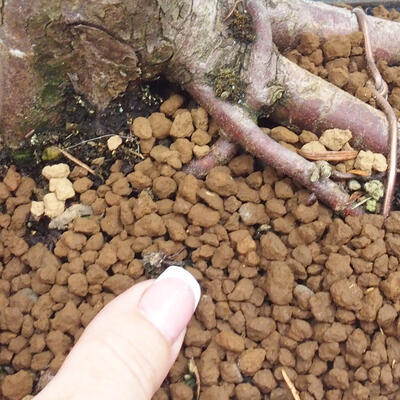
[226, 54]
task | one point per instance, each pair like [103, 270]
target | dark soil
[83, 123]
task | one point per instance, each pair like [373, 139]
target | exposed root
[380, 85]
[309, 102]
[291, 18]
[314, 104]
[290, 384]
[262, 66]
[393, 144]
[242, 129]
[221, 153]
[299, 109]
[380, 92]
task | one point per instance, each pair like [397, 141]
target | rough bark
[19, 83]
[261, 72]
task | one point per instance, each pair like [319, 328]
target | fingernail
[170, 301]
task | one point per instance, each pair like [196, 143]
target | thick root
[221, 153]
[314, 104]
[240, 127]
[291, 18]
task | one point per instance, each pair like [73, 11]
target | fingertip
[170, 302]
[181, 273]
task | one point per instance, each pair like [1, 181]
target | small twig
[380, 85]
[233, 10]
[380, 92]
[360, 203]
[393, 144]
[290, 384]
[92, 140]
[29, 134]
[195, 371]
[76, 161]
[137, 154]
[359, 172]
[329, 155]
[351, 175]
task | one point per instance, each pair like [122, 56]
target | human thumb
[128, 349]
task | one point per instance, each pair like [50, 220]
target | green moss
[50, 61]
[371, 205]
[52, 92]
[241, 27]
[23, 155]
[51, 153]
[375, 189]
[228, 85]
[53, 76]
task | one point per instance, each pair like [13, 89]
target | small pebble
[56, 171]
[52, 206]
[37, 208]
[364, 160]
[354, 185]
[201, 151]
[379, 163]
[114, 142]
[335, 139]
[62, 187]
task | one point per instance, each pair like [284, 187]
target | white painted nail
[180, 273]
